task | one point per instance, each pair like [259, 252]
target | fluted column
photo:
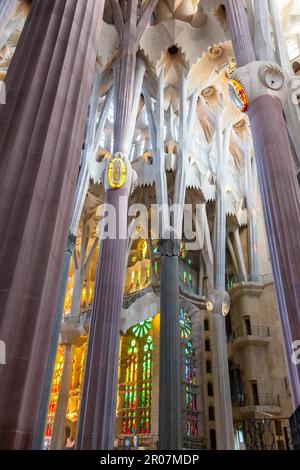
[223, 408]
[280, 195]
[59, 426]
[98, 405]
[170, 406]
[7, 8]
[97, 415]
[41, 134]
[240, 254]
[44, 403]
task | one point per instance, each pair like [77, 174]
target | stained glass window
[190, 374]
[146, 393]
[59, 364]
[130, 389]
[185, 324]
[142, 328]
[137, 380]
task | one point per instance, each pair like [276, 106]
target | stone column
[240, 254]
[170, 406]
[97, 414]
[41, 135]
[279, 192]
[59, 426]
[40, 428]
[233, 257]
[222, 398]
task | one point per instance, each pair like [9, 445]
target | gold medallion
[116, 173]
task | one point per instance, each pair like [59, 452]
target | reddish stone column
[41, 134]
[97, 414]
[279, 192]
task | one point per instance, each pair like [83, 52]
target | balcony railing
[262, 399]
[254, 330]
[263, 434]
[132, 297]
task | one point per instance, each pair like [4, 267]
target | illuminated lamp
[116, 173]
[238, 95]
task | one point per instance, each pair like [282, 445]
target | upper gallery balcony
[255, 335]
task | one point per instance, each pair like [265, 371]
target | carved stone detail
[261, 78]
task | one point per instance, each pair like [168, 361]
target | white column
[222, 396]
[263, 44]
[7, 8]
[240, 254]
[233, 257]
[292, 111]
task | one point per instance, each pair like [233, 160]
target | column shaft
[280, 197]
[7, 8]
[43, 412]
[41, 135]
[59, 426]
[281, 205]
[97, 414]
[240, 254]
[222, 398]
[170, 406]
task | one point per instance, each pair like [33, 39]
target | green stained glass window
[185, 324]
[142, 328]
[137, 380]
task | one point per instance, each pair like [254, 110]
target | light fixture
[218, 302]
[116, 173]
[238, 95]
[209, 306]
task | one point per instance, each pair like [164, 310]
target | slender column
[97, 414]
[59, 427]
[223, 408]
[251, 195]
[41, 134]
[41, 423]
[201, 274]
[7, 7]
[280, 197]
[262, 32]
[292, 111]
[79, 274]
[240, 254]
[239, 28]
[233, 257]
[97, 417]
[170, 406]
[281, 205]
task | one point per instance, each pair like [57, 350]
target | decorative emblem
[238, 95]
[116, 173]
[271, 76]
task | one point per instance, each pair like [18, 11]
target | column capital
[256, 79]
